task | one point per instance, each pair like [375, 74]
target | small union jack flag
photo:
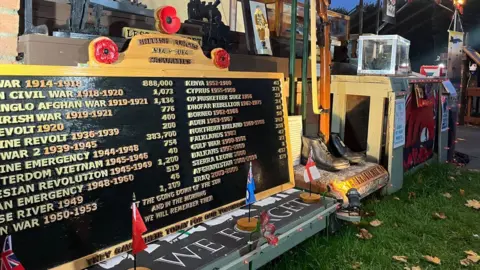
[9, 260]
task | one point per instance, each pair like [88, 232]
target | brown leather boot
[321, 155]
[344, 151]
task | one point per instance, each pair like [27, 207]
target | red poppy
[106, 51]
[268, 229]
[167, 20]
[272, 240]
[221, 58]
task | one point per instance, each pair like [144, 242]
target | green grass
[408, 228]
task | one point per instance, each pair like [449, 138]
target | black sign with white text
[75, 150]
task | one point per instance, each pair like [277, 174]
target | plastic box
[383, 55]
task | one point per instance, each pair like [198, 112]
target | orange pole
[325, 62]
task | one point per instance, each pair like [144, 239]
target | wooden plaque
[77, 142]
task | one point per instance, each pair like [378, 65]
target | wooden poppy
[105, 51]
[221, 58]
[167, 20]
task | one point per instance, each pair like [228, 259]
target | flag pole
[134, 255]
[310, 174]
[249, 212]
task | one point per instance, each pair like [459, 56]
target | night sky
[347, 4]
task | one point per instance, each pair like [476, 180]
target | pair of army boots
[322, 156]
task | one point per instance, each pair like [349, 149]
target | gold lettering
[204, 153]
[35, 210]
[212, 167]
[59, 105]
[16, 191]
[5, 205]
[184, 207]
[72, 180]
[25, 177]
[195, 107]
[227, 104]
[79, 167]
[17, 119]
[50, 139]
[95, 103]
[25, 224]
[45, 162]
[16, 107]
[10, 84]
[6, 217]
[26, 95]
[60, 94]
[5, 144]
[12, 167]
[206, 137]
[4, 132]
[48, 196]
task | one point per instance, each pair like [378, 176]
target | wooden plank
[472, 120]
[375, 129]
[469, 106]
[473, 91]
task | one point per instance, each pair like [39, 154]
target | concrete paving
[468, 138]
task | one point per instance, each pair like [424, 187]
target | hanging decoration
[389, 11]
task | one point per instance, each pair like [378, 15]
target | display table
[217, 244]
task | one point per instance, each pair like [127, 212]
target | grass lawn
[408, 228]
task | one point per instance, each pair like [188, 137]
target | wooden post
[291, 69]
[462, 97]
[306, 24]
[247, 18]
[233, 15]
[360, 18]
[278, 17]
[377, 28]
[469, 108]
[325, 61]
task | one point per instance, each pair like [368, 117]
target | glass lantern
[383, 55]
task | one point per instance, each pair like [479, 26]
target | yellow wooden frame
[143, 69]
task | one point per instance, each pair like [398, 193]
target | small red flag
[138, 228]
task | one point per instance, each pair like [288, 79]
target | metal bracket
[347, 217]
[322, 110]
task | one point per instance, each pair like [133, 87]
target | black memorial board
[75, 149]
